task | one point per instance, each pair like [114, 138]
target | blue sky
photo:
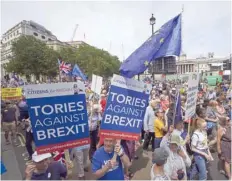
[120, 27]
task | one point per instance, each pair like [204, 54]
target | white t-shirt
[158, 177]
[199, 140]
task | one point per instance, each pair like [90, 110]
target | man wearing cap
[159, 158]
[175, 166]
[43, 168]
[9, 121]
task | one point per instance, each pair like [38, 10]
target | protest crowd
[72, 127]
[181, 149]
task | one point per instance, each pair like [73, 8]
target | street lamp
[152, 22]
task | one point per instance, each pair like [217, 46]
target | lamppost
[152, 22]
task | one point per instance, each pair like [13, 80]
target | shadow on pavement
[141, 163]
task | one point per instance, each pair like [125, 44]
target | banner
[125, 109]
[96, 84]
[11, 93]
[192, 91]
[58, 116]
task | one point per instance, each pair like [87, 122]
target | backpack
[189, 146]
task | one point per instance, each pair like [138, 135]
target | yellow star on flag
[146, 63]
[161, 40]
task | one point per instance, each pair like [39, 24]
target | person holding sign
[107, 161]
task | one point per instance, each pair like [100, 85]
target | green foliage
[32, 57]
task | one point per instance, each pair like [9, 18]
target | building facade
[23, 28]
[201, 65]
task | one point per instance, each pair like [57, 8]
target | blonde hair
[196, 123]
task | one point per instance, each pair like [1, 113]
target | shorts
[9, 126]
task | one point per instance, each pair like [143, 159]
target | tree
[92, 60]
[32, 57]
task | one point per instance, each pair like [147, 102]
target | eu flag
[164, 42]
[77, 72]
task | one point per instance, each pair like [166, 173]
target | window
[17, 32]
[49, 39]
[36, 34]
[43, 37]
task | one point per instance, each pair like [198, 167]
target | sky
[120, 27]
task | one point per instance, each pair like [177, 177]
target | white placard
[51, 90]
[131, 84]
[192, 91]
[96, 84]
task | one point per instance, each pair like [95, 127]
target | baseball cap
[160, 155]
[176, 139]
[40, 157]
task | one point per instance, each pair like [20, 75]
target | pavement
[13, 158]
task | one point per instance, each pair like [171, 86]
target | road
[14, 160]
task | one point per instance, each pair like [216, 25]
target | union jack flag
[59, 156]
[64, 66]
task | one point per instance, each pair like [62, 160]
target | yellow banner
[11, 93]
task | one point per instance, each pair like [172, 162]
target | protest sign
[96, 84]
[58, 116]
[125, 109]
[192, 95]
[11, 93]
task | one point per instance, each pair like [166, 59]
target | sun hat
[40, 157]
[176, 139]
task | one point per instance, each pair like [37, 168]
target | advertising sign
[125, 109]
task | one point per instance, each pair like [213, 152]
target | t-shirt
[158, 126]
[100, 159]
[199, 140]
[55, 171]
[158, 177]
[8, 114]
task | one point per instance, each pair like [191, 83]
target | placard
[125, 109]
[11, 93]
[58, 116]
[192, 92]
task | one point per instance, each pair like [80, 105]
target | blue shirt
[3, 168]
[100, 158]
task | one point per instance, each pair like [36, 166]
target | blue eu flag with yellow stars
[164, 42]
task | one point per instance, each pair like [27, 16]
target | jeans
[157, 142]
[199, 167]
[93, 143]
[29, 139]
[149, 137]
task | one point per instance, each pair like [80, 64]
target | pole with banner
[58, 117]
[193, 81]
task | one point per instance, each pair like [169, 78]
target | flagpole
[181, 34]
[174, 115]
